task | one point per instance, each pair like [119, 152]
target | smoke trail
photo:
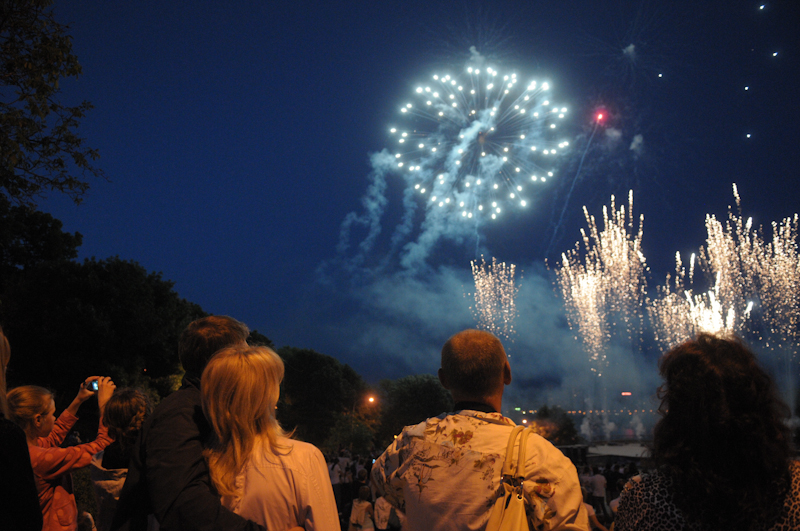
[374, 203]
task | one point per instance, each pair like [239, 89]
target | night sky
[237, 137]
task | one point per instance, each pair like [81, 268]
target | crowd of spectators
[212, 456]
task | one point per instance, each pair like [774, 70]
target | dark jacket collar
[190, 381]
[474, 406]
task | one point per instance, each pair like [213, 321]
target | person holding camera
[33, 409]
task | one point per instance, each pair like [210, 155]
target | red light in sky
[599, 116]
[626, 393]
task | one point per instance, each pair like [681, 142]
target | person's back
[283, 489]
[124, 415]
[261, 473]
[445, 473]
[168, 475]
[736, 473]
[362, 514]
[19, 501]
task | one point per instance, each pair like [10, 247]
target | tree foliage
[553, 423]
[350, 431]
[68, 320]
[316, 390]
[40, 148]
[410, 400]
[29, 237]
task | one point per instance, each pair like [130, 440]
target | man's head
[474, 366]
[204, 337]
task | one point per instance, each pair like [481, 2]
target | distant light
[660, 75]
[747, 88]
[748, 135]
[774, 54]
[524, 421]
[626, 393]
[762, 6]
[599, 117]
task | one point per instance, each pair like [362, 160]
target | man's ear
[443, 379]
[506, 373]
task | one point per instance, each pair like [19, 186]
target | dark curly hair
[722, 438]
[124, 414]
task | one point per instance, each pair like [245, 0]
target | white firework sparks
[479, 142]
[495, 295]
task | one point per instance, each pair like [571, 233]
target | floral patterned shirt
[445, 474]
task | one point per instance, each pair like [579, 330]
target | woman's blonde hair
[240, 388]
[5, 356]
[26, 402]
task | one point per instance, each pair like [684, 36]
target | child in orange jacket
[33, 409]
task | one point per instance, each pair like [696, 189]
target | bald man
[444, 473]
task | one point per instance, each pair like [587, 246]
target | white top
[359, 514]
[335, 473]
[383, 511]
[281, 491]
[445, 474]
[598, 485]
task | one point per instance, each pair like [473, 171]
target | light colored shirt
[335, 473]
[383, 511]
[359, 514]
[445, 474]
[287, 489]
[598, 485]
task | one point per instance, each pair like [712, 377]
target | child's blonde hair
[26, 402]
[240, 388]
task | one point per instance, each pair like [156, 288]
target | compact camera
[92, 386]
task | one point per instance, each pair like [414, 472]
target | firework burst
[477, 143]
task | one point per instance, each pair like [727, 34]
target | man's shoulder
[180, 408]
[184, 398]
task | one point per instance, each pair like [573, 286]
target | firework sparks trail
[755, 291]
[495, 297]
[676, 317]
[605, 289]
[572, 187]
[478, 142]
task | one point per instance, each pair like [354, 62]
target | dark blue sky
[237, 137]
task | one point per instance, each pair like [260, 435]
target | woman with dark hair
[723, 450]
[124, 415]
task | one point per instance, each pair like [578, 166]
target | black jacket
[168, 475]
[19, 500]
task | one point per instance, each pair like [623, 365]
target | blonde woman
[260, 473]
[32, 408]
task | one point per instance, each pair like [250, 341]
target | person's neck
[495, 402]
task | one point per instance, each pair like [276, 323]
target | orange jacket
[51, 468]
